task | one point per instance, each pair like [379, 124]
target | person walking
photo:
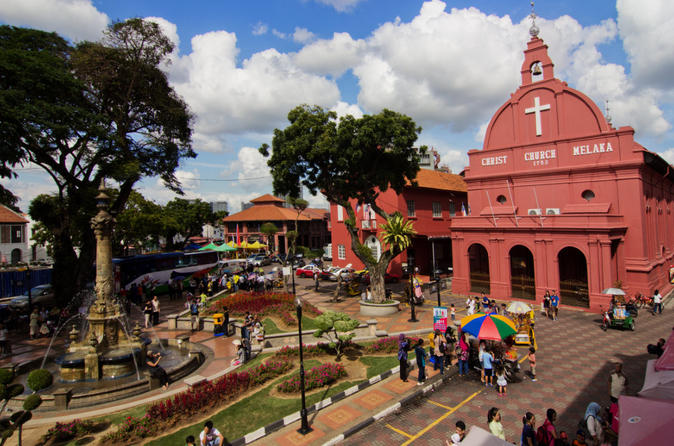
[194, 316]
[494, 421]
[547, 433]
[532, 362]
[657, 302]
[34, 323]
[501, 381]
[617, 382]
[421, 361]
[147, 313]
[470, 303]
[155, 310]
[403, 347]
[554, 305]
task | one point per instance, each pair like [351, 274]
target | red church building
[437, 197]
[561, 200]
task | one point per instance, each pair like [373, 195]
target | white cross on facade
[537, 109]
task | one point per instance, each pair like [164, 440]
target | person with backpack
[403, 347]
[194, 315]
[546, 433]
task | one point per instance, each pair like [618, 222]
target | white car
[39, 295]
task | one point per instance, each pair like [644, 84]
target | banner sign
[440, 318]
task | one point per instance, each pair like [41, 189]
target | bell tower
[537, 65]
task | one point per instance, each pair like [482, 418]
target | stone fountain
[107, 350]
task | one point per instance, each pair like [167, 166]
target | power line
[186, 179]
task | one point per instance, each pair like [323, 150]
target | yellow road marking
[403, 433]
[523, 358]
[440, 405]
[434, 423]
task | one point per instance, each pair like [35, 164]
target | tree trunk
[377, 283]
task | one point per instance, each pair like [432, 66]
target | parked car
[259, 260]
[40, 295]
[329, 273]
[308, 271]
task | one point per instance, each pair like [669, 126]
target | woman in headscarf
[403, 347]
[593, 422]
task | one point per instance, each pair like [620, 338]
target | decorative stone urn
[373, 309]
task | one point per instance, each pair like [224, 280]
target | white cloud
[279, 34]
[341, 5]
[303, 35]
[252, 171]
[256, 95]
[668, 155]
[75, 19]
[645, 28]
[260, 29]
[343, 109]
[330, 56]
[169, 29]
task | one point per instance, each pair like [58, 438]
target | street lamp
[304, 429]
[30, 296]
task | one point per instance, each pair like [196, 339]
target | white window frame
[411, 208]
[341, 252]
[437, 209]
[340, 213]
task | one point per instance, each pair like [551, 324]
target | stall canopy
[224, 248]
[658, 385]
[479, 437]
[666, 361]
[211, 246]
[644, 421]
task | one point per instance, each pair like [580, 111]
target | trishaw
[618, 318]
[525, 328]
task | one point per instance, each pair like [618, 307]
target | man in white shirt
[657, 302]
[210, 436]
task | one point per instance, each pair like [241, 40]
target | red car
[388, 278]
[307, 271]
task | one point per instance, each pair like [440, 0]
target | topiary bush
[32, 402]
[13, 390]
[39, 379]
[6, 376]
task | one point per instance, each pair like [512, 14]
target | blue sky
[242, 65]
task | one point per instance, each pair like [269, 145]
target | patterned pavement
[573, 364]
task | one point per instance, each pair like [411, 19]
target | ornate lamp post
[304, 429]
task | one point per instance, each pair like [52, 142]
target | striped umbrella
[491, 327]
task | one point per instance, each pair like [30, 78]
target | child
[501, 381]
[458, 435]
[487, 360]
[189, 441]
[452, 312]
[532, 362]
[421, 361]
[580, 439]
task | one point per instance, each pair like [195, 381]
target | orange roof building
[13, 237]
[430, 202]
[312, 224]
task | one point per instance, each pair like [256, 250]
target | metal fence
[15, 283]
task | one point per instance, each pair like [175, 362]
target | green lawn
[271, 328]
[261, 409]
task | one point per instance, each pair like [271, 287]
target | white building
[14, 246]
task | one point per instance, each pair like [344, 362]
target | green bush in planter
[32, 402]
[39, 379]
[6, 376]
[13, 390]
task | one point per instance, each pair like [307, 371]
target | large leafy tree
[140, 224]
[97, 110]
[186, 217]
[347, 160]
[269, 229]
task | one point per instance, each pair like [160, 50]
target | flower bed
[68, 431]
[386, 345]
[308, 351]
[318, 376]
[263, 304]
[190, 402]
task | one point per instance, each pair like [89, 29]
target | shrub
[318, 376]
[309, 351]
[32, 402]
[386, 345]
[6, 376]
[70, 430]
[13, 390]
[39, 379]
[263, 304]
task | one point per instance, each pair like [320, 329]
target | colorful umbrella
[518, 307]
[491, 327]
